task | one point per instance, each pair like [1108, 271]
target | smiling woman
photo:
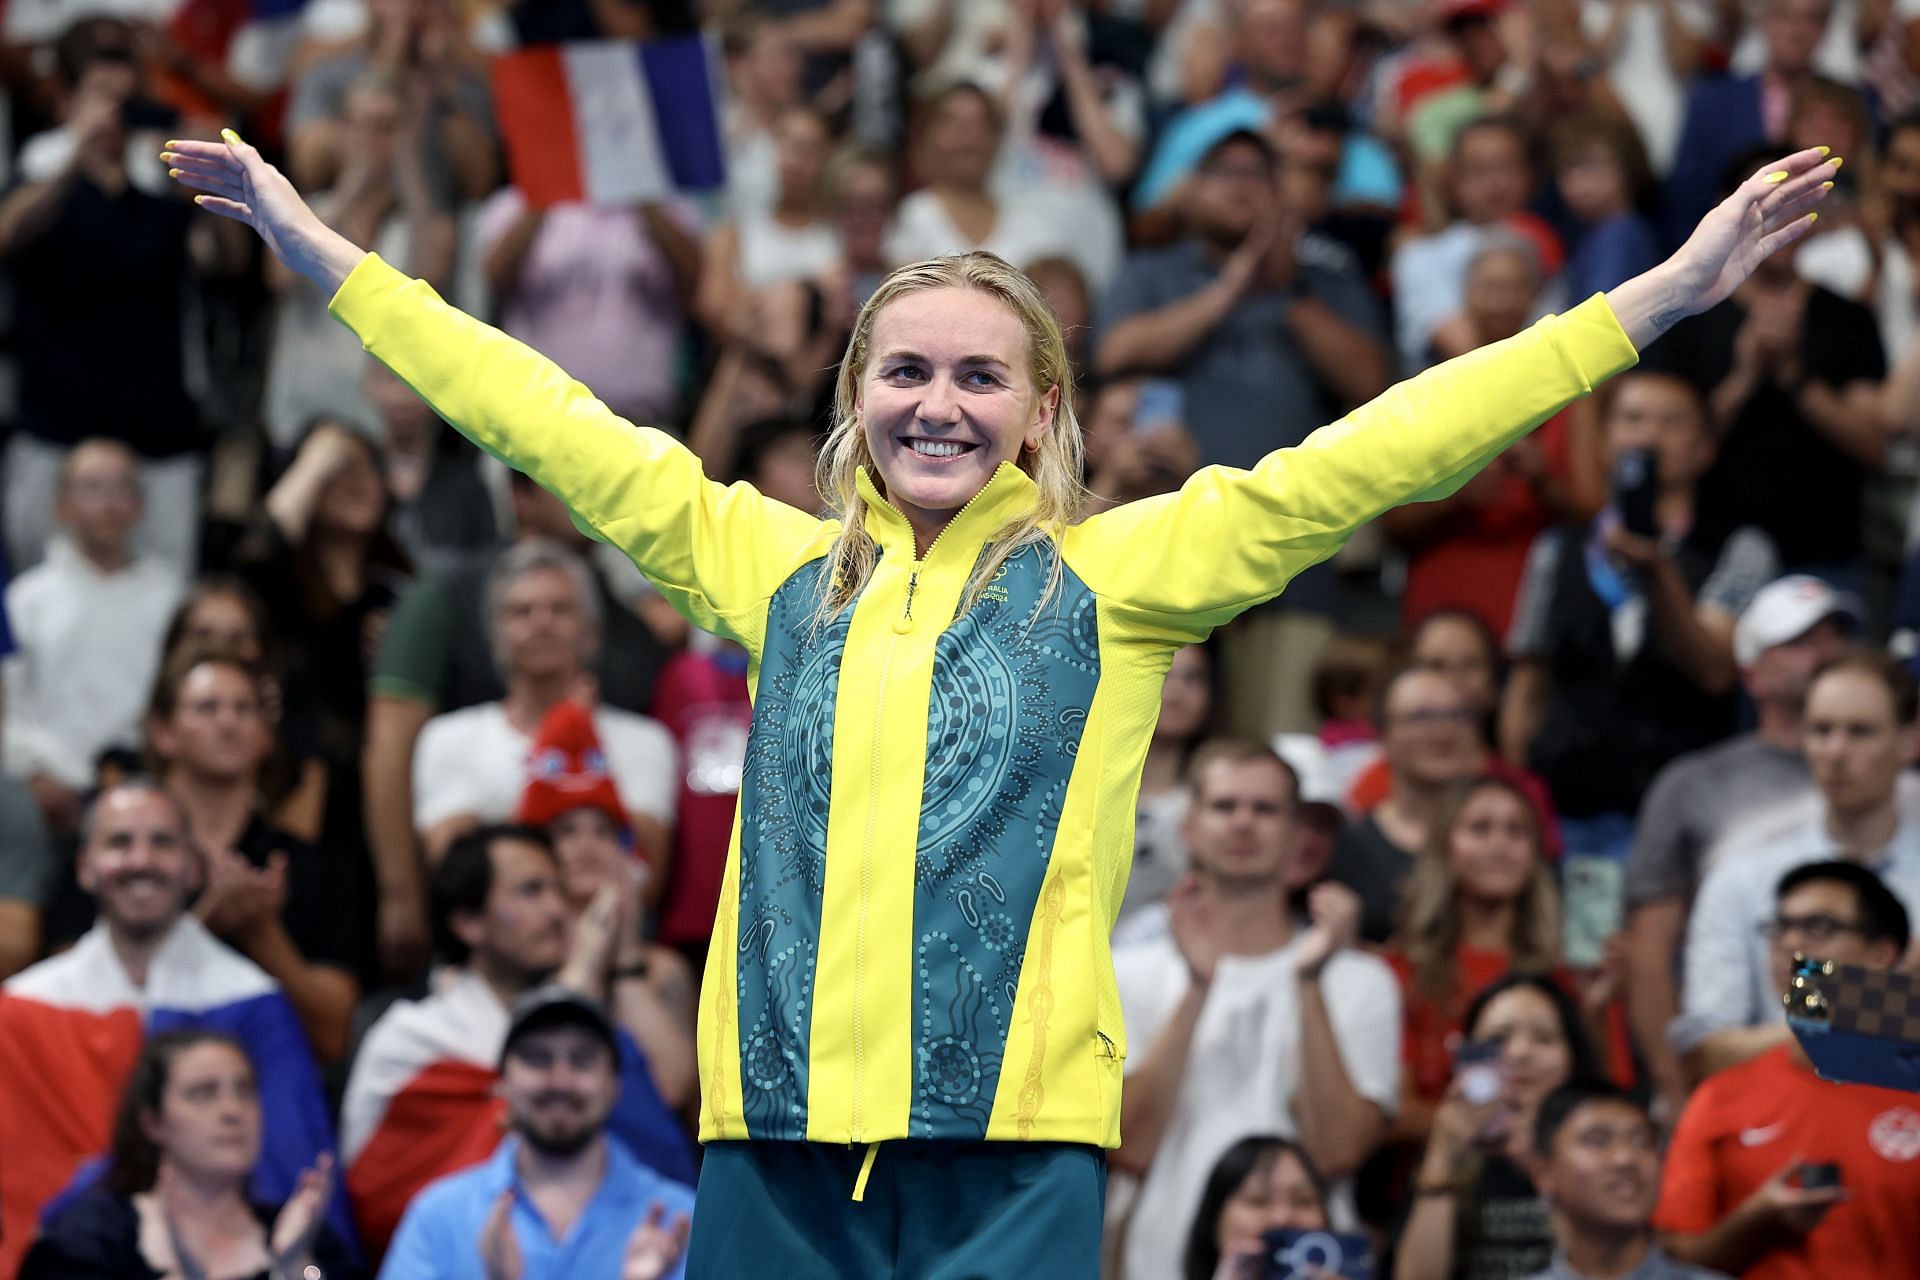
[955, 682]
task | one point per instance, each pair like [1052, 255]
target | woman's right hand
[235, 182]
[1458, 1127]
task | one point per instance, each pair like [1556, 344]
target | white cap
[1786, 609]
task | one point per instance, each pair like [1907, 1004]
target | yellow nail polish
[1825, 151]
[172, 143]
[1826, 186]
[233, 139]
[199, 199]
[173, 173]
[1776, 177]
[1813, 217]
[1837, 161]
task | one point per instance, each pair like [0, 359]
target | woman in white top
[955, 141]
[795, 240]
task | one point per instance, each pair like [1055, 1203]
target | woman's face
[1276, 1196]
[1186, 698]
[961, 141]
[1533, 1045]
[1593, 184]
[354, 501]
[208, 1124]
[1492, 849]
[800, 154]
[945, 398]
[1454, 648]
[221, 623]
[587, 844]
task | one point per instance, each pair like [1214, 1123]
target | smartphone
[1290, 1254]
[1478, 1068]
[1636, 483]
[1159, 402]
[1818, 1177]
[142, 113]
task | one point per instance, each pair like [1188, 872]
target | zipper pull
[904, 623]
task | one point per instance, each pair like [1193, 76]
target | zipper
[858, 1118]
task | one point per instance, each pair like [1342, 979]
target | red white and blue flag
[610, 122]
[70, 1030]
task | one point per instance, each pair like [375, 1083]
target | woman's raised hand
[235, 182]
[1769, 211]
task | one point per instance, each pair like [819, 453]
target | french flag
[610, 122]
[71, 1028]
[421, 1102]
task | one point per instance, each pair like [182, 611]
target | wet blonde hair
[1054, 465]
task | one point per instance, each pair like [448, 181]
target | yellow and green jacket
[936, 820]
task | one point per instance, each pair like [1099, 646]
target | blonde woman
[910, 1004]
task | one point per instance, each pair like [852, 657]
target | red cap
[567, 770]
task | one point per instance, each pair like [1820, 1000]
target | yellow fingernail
[1813, 217]
[1837, 161]
[174, 173]
[233, 139]
[1778, 175]
[1825, 151]
[172, 143]
[199, 199]
[1826, 186]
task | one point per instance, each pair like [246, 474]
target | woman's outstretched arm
[715, 551]
[1231, 538]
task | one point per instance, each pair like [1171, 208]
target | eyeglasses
[1814, 928]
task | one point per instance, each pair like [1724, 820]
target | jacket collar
[1008, 494]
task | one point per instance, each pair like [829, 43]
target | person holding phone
[1622, 636]
[1476, 1214]
[955, 687]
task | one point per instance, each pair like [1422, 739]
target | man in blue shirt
[556, 1199]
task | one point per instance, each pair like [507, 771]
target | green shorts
[928, 1211]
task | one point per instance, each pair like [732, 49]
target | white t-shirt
[473, 761]
[1027, 228]
[1243, 1068]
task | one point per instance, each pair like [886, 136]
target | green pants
[928, 1211]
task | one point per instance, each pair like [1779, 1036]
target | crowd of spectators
[362, 822]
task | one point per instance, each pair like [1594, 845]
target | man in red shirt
[1737, 1196]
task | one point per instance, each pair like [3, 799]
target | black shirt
[1375, 868]
[320, 914]
[1775, 469]
[98, 1238]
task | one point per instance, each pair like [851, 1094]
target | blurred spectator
[1270, 42]
[418, 47]
[322, 558]
[100, 257]
[1737, 1193]
[1064, 286]
[1889, 225]
[1792, 626]
[185, 1138]
[1346, 693]
[380, 197]
[1596, 1160]
[603, 292]
[1602, 173]
[1269, 331]
[763, 81]
[1476, 1213]
[557, 1199]
[73, 1025]
[87, 625]
[1259, 1184]
[287, 905]
[422, 1099]
[441, 512]
[1623, 638]
[1651, 50]
[1457, 644]
[29, 869]
[1791, 372]
[1481, 904]
[1188, 717]
[1245, 1020]
[435, 657]
[1469, 550]
[1488, 182]
[794, 239]
[1137, 443]
[1727, 117]
[1860, 736]
[1428, 740]
[470, 764]
[956, 138]
[864, 195]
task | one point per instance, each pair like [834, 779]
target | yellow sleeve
[1232, 538]
[716, 551]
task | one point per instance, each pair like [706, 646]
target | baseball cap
[1786, 609]
[552, 1005]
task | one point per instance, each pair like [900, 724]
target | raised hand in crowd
[298, 1224]
[499, 1248]
[1333, 915]
[241, 899]
[1190, 917]
[655, 1245]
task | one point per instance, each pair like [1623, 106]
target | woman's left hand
[298, 1225]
